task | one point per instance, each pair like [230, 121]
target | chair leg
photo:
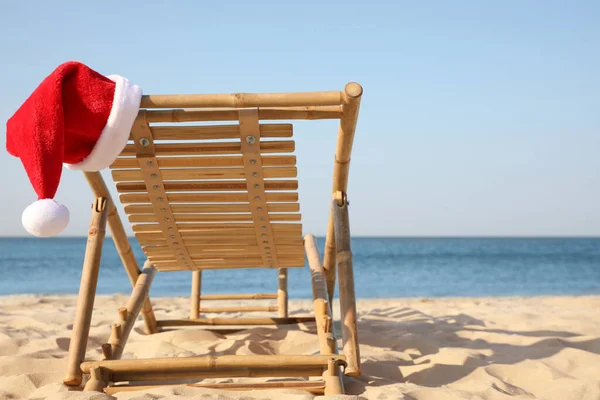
[346, 285]
[128, 314]
[333, 378]
[196, 292]
[323, 317]
[282, 293]
[87, 292]
[98, 380]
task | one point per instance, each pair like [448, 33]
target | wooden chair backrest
[224, 195]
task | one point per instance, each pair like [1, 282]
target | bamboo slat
[192, 149]
[214, 217]
[187, 132]
[129, 198]
[212, 208]
[223, 262]
[166, 266]
[206, 161]
[238, 258]
[122, 245]
[87, 292]
[265, 114]
[242, 100]
[132, 175]
[294, 229]
[183, 186]
[224, 254]
[151, 238]
[224, 259]
[223, 248]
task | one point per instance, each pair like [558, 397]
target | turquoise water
[384, 267]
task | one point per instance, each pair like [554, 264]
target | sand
[413, 349]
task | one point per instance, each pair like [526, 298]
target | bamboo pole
[129, 314]
[195, 297]
[298, 113]
[161, 369]
[282, 292]
[242, 100]
[234, 321]
[122, 245]
[323, 318]
[351, 97]
[314, 387]
[87, 292]
[216, 363]
[346, 279]
[316, 268]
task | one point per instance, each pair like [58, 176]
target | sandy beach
[413, 349]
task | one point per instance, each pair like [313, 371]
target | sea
[385, 267]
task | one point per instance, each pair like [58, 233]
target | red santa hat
[76, 118]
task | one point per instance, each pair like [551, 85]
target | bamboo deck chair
[220, 197]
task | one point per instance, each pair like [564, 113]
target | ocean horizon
[385, 267]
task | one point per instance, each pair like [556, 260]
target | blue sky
[478, 118]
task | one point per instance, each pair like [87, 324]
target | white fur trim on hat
[112, 140]
[45, 218]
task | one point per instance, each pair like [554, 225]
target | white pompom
[45, 218]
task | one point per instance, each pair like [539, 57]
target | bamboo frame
[87, 292]
[208, 233]
[122, 245]
[266, 114]
[242, 100]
